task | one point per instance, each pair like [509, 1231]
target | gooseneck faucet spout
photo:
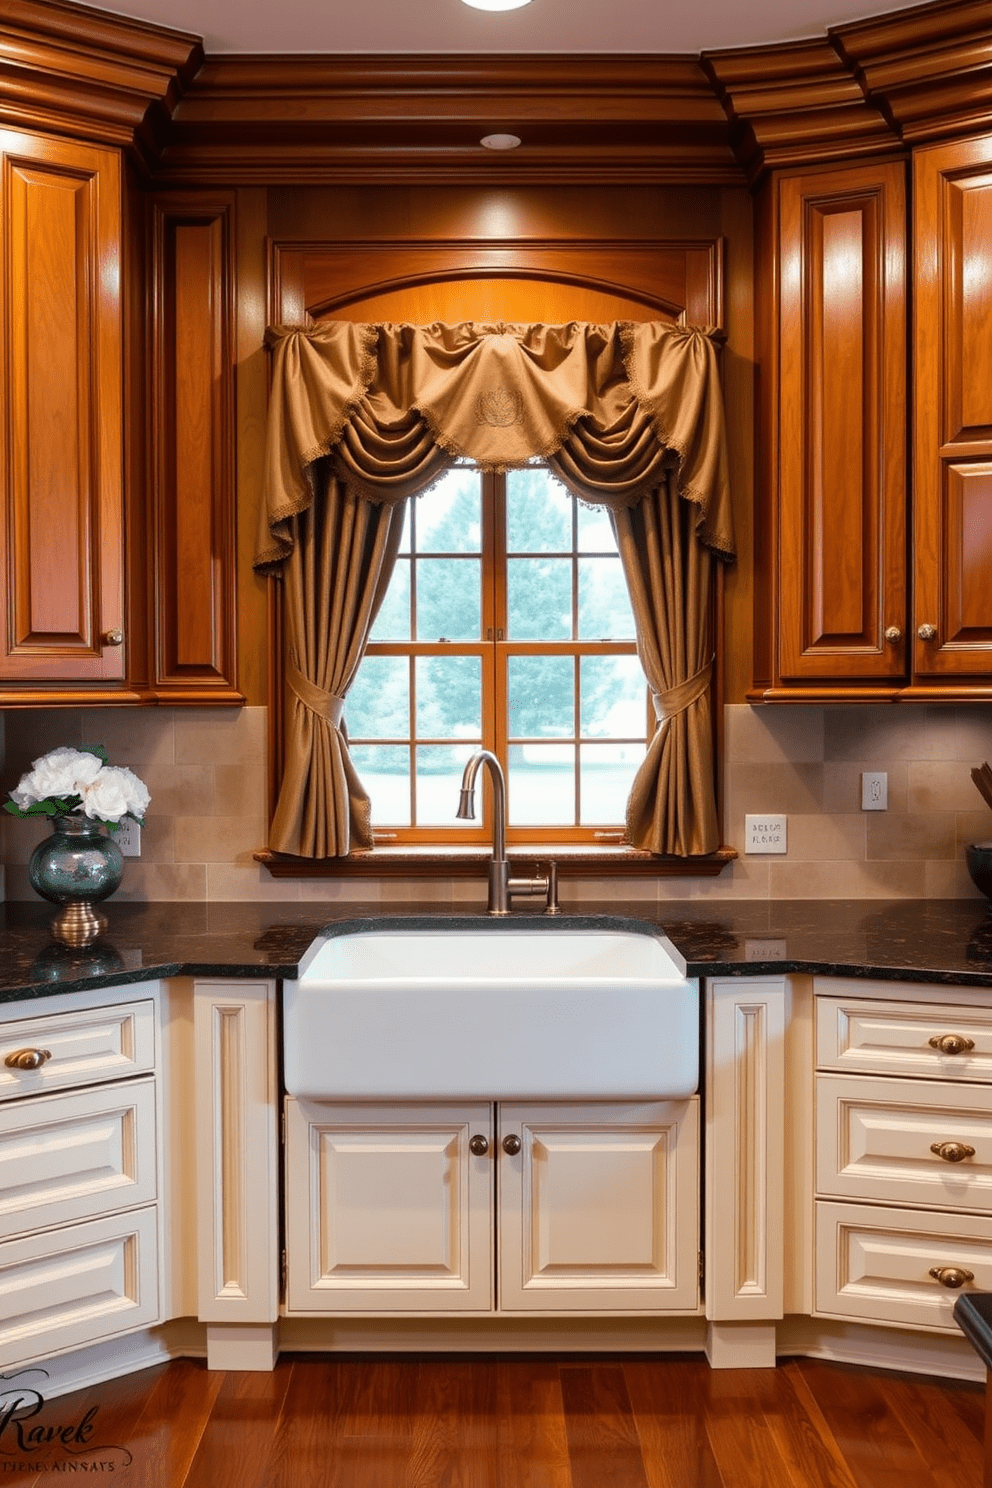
[501, 885]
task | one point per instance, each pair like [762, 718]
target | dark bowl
[979, 859]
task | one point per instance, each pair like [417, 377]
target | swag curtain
[362, 417]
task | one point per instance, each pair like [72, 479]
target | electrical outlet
[128, 838]
[874, 790]
[765, 834]
[764, 950]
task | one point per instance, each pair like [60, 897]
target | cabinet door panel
[599, 1210]
[61, 556]
[387, 1210]
[842, 479]
[952, 536]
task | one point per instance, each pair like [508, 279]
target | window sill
[470, 862]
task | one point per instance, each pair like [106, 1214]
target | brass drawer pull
[951, 1277]
[951, 1043]
[28, 1059]
[478, 1146]
[952, 1151]
[511, 1144]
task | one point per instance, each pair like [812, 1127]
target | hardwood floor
[667, 1422]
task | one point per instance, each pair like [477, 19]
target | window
[507, 625]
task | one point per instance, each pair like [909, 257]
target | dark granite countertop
[937, 940]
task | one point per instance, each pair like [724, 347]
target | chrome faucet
[501, 885]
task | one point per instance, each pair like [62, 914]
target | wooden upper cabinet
[192, 479]
[831, 592]
[952, 494]
[61, 536]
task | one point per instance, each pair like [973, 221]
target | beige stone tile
[32, 732]
[180, 790]
[221, 736]
[470, 891]
[133, 736]
[974, 733]
[842, 784]
[846, 880]
[825, 838]
[248, 883]
[909, 835]
[239, 790]
[941, 785]
[343, 890]
[158, 841]
[768, 787]
[773, 735]
[889, 731]
[580, 890]
[973, 826]
[218, 839]
[146, 882]
[950, 880]
[745, 878]
[410, 890]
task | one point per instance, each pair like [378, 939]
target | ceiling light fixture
[500, 141]
[496, 4]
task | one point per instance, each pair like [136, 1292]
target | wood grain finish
[664, 1422]
[835, 492]
[952, 535]
[61, 540]
[192, 348]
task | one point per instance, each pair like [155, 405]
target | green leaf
[99, 750]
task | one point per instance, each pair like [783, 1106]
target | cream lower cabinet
[474, 1208]
[903, 1115]
[79, 1175]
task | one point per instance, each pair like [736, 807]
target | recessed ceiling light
[500, 141]
[496, 4]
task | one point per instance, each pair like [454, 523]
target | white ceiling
[432, 26]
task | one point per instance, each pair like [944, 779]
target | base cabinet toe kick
[827, 1191]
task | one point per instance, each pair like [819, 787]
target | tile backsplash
[205, 769]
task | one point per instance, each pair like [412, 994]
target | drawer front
[893, 1038]
[77, 1155]
[87, 1046]
[874, 1140]
[873, 1263]
[65, 1288]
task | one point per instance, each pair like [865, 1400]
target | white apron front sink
[492, 1013]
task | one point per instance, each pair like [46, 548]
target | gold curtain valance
[613, 408]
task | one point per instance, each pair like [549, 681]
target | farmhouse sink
[493, 1013]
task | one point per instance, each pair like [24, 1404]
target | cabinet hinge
[700, 1267]
[282, 1127]
[282, 1274]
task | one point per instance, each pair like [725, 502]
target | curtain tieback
[324, 704]
[667, 705]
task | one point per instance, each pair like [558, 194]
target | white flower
[113, 793]
[64, 772]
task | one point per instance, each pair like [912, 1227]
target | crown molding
[869, 88]
[72, 69]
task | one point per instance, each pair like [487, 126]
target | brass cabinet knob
[478, 1146]
[951, 1043]
[952, 1151]
[926, 632]
[893, 634]
[512, 1145]
[951, 1277]
[114, 638]
[27, 1059]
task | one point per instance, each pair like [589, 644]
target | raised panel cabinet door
[61, 454]
[841, 435]
[389, 1208]
[599, 1207]
[952, 527]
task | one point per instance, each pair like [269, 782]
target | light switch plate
[128, 838]
[766, 834]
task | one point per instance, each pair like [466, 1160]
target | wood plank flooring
[483, 1422]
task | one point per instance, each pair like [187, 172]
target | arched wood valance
[361, 417]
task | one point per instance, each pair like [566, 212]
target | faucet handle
[552, 907]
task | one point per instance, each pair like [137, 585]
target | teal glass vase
[76, 866]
